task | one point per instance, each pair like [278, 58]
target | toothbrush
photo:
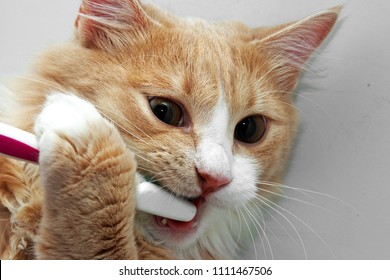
[152, 199]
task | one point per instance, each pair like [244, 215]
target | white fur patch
[242, 188]
[67, 114]
[64, 114]
[215, 156]
[231, 215]
[214, 151]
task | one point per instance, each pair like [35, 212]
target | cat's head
[206, 108]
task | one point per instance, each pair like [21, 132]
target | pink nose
[211, 183]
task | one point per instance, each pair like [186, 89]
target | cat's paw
[66, 114]
[66, 120]
[71, 133]
[87, 174]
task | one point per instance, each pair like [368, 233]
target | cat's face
[206, 108]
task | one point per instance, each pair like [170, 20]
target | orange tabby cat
[202, 109]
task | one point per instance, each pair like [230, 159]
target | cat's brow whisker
[282, 60]
[311, 101]
[316, 126]
[300, 111]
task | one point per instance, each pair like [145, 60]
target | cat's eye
[251, 129]
[166, 111]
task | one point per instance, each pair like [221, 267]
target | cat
[202, 109]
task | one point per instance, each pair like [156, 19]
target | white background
[343, 150]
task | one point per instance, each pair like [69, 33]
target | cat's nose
[211, 183]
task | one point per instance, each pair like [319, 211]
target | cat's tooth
[164, 222]
[194, 224]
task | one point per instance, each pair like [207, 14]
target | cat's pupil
[251, 129]
[166, 111]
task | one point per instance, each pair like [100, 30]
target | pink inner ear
[290, 46]
[313, 34]
[117, 12]
[299, 42]
[97, 17]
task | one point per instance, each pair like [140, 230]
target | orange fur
[115, 62]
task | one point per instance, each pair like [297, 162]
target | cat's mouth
[180, 226]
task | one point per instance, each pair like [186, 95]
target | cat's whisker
[250, 232]
[127, 121]
[301, 112]
[167, 179]
[255, 220]
[280, 186]
[232, 221]
[277, 221]
[144, 160]
[137, 155]
[121, 126]
[157, 177]
[259, 213]
[216, 78]
[270, 204]
[256, 217]
[102, 111]
[146, 168]
[309, 193]
[298, 200]
[311, 101]
[259, 235]
[131, 147]
[148, 136]
[275, 207]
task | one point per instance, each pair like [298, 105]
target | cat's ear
[102, 23]
[288, 46]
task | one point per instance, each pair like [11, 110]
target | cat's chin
[211, 233]
[172, 233]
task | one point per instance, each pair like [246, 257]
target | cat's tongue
[181, 226]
